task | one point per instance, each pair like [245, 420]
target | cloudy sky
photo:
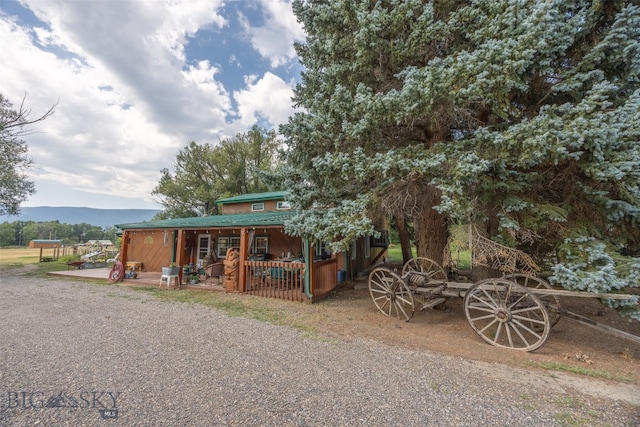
[134, 81]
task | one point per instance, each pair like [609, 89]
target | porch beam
[378, 257]
[244, 254]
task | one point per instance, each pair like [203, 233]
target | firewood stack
[231, 270]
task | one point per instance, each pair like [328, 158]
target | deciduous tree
[15, 185]
[204, 173]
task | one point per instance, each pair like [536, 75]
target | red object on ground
[117, 272]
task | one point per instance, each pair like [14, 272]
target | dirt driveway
[571, 346]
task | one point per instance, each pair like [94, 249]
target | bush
[67, 258]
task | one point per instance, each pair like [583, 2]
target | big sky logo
[106, 402]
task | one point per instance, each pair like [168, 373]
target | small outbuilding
[45, 244]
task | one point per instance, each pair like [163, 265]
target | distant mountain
[71, 215]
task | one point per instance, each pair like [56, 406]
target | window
[354, 248]
[367, 248]
[260, 245]
[322, 250]
[257, 207]
[283, 205]
[226, 242]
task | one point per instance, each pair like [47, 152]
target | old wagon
[516, 311]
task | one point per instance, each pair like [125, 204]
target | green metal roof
[260, 219]
[253, 197]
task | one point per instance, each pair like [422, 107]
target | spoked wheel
[506, 314]
[425, 265]
[391, 294]
[551, 302]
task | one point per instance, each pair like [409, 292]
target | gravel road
[75, 353]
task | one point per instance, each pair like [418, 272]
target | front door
[204, 248]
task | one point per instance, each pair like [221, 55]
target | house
[249, 238]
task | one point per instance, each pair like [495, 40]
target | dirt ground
[350, 312]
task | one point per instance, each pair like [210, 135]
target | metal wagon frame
[516, 311]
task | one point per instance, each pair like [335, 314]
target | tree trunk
[431, 229]
[405, 239]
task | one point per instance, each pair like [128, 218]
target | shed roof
[261, 219]
[46, 241]
[253, 197]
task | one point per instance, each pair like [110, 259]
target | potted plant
[193, 278]
[172, 270]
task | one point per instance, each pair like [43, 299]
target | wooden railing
[325, 278]
[380, 242]
[275, 279]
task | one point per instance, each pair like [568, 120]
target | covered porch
[256, 258]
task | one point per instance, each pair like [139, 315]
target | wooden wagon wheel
[425, 265]
[551, 302]
[391, 294]
[506, 314]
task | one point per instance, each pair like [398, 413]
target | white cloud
[275, 39]
[126, 96]
[268, 98]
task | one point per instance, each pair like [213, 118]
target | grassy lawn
[461, 258]
[395, 252]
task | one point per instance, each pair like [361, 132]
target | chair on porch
[213, 269]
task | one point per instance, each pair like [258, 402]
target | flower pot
[170, 271]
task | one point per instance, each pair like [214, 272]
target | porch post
[308, 273]
[174, 242]
[244, 253]
[124, 247]
[180, 251]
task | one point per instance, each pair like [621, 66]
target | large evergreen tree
[520, 116]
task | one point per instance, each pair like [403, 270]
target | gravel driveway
[75, 353]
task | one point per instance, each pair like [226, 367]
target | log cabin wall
[151, 247]
[358, 262]
[235, 208]
[280, 243]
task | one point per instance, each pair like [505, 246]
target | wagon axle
[502, 315]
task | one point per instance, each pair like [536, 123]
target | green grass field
[461, 259]
[395, 252]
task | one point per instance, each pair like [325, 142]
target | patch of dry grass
[21, 256]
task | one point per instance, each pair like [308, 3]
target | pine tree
[522, 116]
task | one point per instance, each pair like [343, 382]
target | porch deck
[144, 279]
[270, 279]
